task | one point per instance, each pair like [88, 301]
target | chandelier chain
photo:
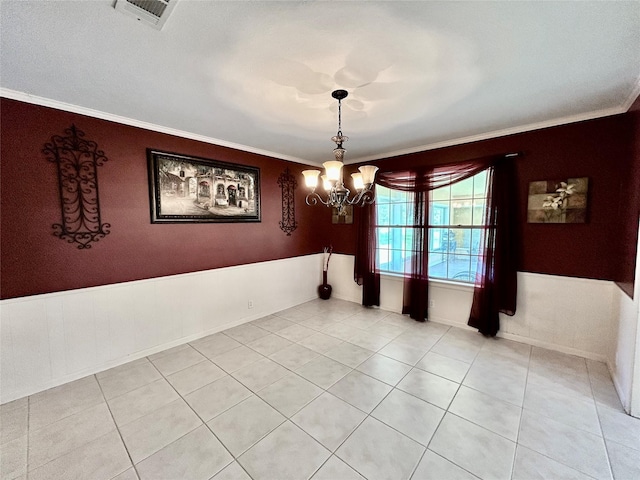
[339, 117]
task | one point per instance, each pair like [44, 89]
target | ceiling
[258, 75]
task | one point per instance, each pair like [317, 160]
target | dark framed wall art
[346, 217]
[558, 201]
[186, 189]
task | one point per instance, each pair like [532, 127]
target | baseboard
[555, 347]
[624, 401]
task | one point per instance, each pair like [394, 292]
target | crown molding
[497, 133]
[68, 107]
[635, 93]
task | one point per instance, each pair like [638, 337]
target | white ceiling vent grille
[151, 12]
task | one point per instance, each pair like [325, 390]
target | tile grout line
[204, 423]
[286, 418]
[394, 387]
[526, 385]
[604, 440]
[65, 417]
[445, 414]
[367, 415]
[27, 472]
[199, 417]
[447, 411]
[133, 465]
[426, 447]
[163, 377]
[546, 456]
[289, 418]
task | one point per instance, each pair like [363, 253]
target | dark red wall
[599, 149]
[35, 261]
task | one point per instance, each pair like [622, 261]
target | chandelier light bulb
[311, 178]
[368, 174]
[358, 183]
[333, 169]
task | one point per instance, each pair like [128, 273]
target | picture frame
[188, 189]
[558, 201]
[346, 218]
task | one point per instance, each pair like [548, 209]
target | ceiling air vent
[151, 12]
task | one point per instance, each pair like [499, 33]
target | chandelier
[337, 195]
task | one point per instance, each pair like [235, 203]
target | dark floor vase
[324, 290]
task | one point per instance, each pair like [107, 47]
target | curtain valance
[424, 179]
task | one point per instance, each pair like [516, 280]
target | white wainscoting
[47, 340]
[622, 355]
[571, 315]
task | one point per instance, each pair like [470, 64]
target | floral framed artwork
[185, 189]
[346, 217]
[558, 201]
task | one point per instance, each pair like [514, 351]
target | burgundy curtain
[491, 291]
[425, 179]
[365, 271]
[496, 281]
[415, 298]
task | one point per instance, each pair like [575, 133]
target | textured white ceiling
[259, 75]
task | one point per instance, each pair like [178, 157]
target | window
[456, 216]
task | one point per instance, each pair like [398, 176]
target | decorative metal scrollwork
[288, 185]
[78, 161]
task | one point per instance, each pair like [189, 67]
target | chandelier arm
[313, 198]
[353, 201]
[367, 197]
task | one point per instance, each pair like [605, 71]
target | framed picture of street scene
[187, 189]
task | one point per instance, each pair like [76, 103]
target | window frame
[447, 211]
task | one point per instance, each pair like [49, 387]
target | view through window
[456, 220]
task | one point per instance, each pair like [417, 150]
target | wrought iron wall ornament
[78, 161]
[288, 185]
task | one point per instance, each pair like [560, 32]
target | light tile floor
[330, 390]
